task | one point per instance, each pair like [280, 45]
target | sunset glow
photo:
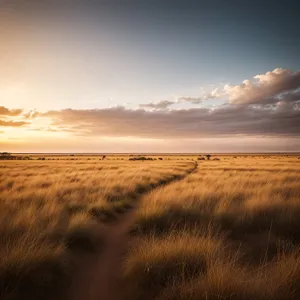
[139, 78]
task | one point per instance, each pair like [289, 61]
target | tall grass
[50, 212]
[246, 211]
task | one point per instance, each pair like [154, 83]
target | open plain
[169, 227]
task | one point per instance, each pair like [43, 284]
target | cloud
[271, 87]
[158, 105]
[225, 120]
[265, 88]
[214, 94]
[164, 104]
[276, 114]
[32, 114]
[192, 100]
[10, 112]
[8, 115]
[12, 123]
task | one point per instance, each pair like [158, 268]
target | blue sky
[100, 54]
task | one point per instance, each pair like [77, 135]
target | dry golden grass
[50, 211]
[230, 230]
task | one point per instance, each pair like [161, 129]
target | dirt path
[99, 276]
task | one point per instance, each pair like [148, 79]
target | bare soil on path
[99, 274]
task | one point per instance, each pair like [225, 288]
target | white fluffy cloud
[265, 88]
[279, 85]
[270, 106]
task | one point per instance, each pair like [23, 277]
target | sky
[149, 76]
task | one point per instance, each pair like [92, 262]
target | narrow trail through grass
[98, 278]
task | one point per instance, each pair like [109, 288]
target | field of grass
[54, 210]
[230, 230]
[201, 229]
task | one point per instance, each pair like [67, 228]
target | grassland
[230, 230]
[54, 210]
[200, 229]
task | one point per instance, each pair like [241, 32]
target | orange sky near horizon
[120, 79]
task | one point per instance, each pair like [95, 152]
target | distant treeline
[143, 158]
[9, 156]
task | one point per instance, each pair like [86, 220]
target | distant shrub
[8, 156]
[5, 154]
[140, 158]
[26, 158]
